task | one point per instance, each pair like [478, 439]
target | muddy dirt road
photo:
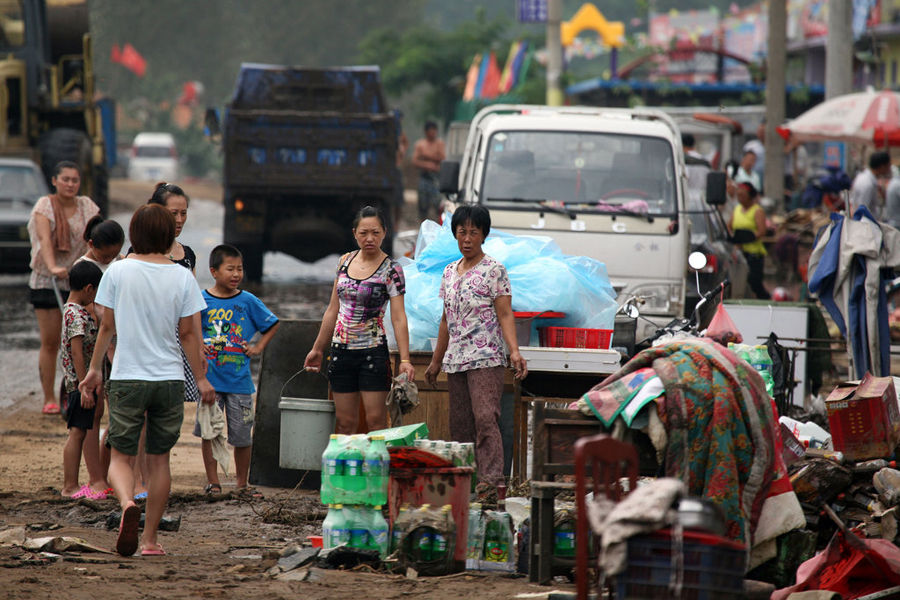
[225, 544]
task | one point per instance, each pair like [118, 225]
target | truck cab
[601, 182]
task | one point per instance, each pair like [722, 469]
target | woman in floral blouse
[56, 230]
[477, 320]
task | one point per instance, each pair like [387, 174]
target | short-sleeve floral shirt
[476, 341]
[77, 320]
[360, 320]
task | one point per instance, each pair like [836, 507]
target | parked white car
[153, 157]
[21, 184]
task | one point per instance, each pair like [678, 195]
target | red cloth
[851, 566]
[129, 58]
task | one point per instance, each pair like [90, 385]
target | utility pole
[775, 100]
[554, 53]
[839, 49]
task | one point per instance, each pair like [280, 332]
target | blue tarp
[542, 278]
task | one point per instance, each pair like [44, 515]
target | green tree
[439, 60]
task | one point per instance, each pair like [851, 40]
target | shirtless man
[427, 156]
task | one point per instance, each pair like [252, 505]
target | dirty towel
[722, 434]
[212, 427]
[644, 510]
[402, 399]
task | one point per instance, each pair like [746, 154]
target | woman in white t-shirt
[150, 302]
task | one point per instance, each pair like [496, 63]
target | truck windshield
[588, 172]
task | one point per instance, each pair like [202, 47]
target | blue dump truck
[304, 150]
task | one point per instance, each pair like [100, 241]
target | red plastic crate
[575, 337]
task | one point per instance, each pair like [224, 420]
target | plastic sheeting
[542, 278]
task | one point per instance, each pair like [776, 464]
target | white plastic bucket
[306, 424]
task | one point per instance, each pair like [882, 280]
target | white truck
[605, 183]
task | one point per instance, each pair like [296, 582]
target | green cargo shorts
[129, 401]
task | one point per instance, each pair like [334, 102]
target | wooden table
[556, 375]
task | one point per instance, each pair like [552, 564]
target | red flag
[129, 58]
[490, 88]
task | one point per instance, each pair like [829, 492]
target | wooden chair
[605, 461]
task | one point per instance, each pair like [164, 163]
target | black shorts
[45, 298]
[366, 370]
[76, 415]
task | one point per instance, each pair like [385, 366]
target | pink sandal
[87, 492]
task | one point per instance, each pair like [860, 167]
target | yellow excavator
[48, 106]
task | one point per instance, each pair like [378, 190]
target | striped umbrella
[866, 117]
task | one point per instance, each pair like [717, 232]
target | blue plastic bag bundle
[542, 278]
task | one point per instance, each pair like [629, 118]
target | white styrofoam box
[571, 360]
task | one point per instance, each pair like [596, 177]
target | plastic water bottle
[399, 528]
[378, 532]
[376, 468]
[439, 539]
[357, 523]
[334, 528]
[332, 471]
[423, 537]
[423, 543]
[475, 541]
[354, 480]
[497, 538]
[564, 539]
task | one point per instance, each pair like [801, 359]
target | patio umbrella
[868, 117]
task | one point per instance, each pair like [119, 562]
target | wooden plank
[520, 432]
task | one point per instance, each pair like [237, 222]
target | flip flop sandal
[212, 488]
[50, 409]
[141, 496]
[158, 551]
[83, 492]
[127, 542]
[92, 495]
[249, 492]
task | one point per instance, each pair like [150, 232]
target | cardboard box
[864, 418]
[403, 435]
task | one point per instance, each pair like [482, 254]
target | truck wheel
[253, 262]
[62, 144]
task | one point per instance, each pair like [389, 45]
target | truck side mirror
[211, 121]
[449, 177]
[715, 188]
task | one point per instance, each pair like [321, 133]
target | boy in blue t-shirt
[231, 319]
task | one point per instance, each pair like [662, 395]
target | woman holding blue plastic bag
[476, 321]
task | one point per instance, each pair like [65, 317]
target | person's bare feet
[69, 491]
